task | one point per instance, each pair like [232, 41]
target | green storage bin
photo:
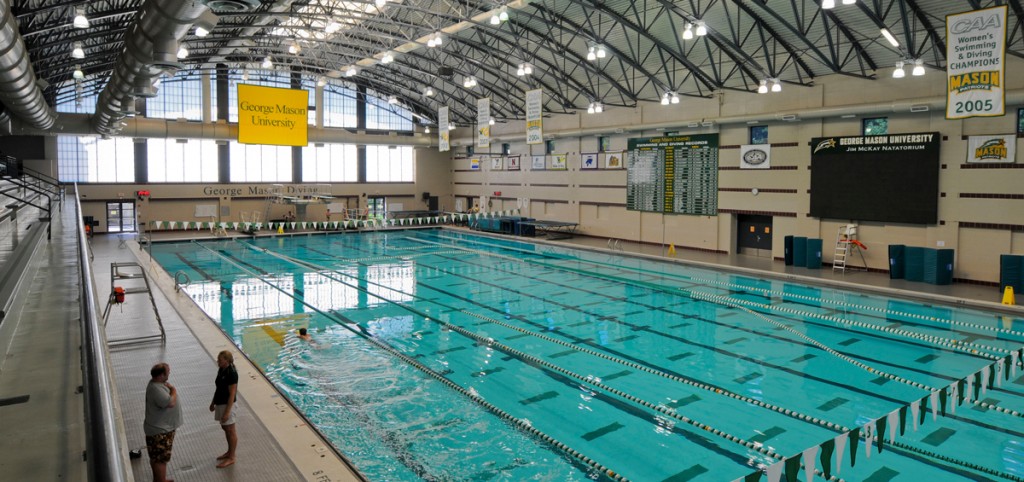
[814, 253]
[897, 261]
[1011, 270]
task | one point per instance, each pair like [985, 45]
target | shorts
[218, 413]
[159, 447]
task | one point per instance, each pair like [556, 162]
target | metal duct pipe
[18, 89]
[157, 23]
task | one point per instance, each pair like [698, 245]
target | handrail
[103, 448]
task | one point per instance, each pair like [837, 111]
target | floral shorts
[159, 447]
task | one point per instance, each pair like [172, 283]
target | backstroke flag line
[976, 63]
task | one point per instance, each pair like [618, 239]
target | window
[90, 159]
[180, 99]
[258, 163]
[71, 101]
[604, 143]
[389, 164]
[339, 106]
[330, 163]
[1020, 121]
[171, 160]
[506, 149]
[876, 126]
[758, 134]
[470, 150]
[271, 80]
[549, 147]
[381, 115]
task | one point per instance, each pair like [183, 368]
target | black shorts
[159, 447]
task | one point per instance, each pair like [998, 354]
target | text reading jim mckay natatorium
[260, 114]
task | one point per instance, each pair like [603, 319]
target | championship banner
[272, 116]
[534, 111]
[483, 122]
[976, 69]
[442, 129]
[987, 149]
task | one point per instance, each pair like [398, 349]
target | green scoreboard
[673, 174]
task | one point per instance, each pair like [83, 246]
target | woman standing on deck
[223, 404]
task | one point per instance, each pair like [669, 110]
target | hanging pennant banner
[534, 113]
[483, 122]
[976, 69]
[442, 129]
[272, 115]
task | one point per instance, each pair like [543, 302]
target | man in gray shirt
[163, 417]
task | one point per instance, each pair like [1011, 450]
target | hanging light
[503, 16]
[451, 126]
[664, 99]
[205, 23]
[918, 68]
[495, 19]
[762, 88]
[387, 58]
[426, 130]
[776, 85]
[267, 63]
[849, 2]
[78, 73]
[675, 98]
[702, 28]
[828, 4]
[322, 81]
[77, 51]
[429, 92]
[601, 53]
[598, 107]
[491, 121]
[294, 48]
[380, 3]
[332, 27]
[245, 75]
[80, 21]
[520, 71]
[528, 69]
[888, 36]
[591, 54]
[392, 100]
[351, 71]
[438, 40]
[182, 52]
[899, 73]
[590, 108]
[688, 33]
[430, 43]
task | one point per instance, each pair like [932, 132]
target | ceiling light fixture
[245, 75]
[675, 98]
[601, 53]
[387, 58]
[664, 99]
[702, 28]
[267, 63]
[392, 100]
[469, 82]
[776, 85]
[426, 130]
[351, 71]
[205, 23]
[80, 21]
[828, 4]
[762, 88]
[849, 2]
[591, 54]
[451, 126]
[182, 52]
[491, 121]
[899, 73]
[78, 73]
[918, 68]
[888, 36]
[380, 3]
[322, 81]
[503, 16]
[332, 27]
[294, 48]
[688, 33]
[77, 52]
[429, 92]
[495, 19]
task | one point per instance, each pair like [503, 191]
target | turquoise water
[442, 355]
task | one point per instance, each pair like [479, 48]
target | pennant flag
[999, 370]
[401, 222]
[933, 399]
[869, 437]
[792, 469]
[809, 456]
[970, 388]
[293, 224]
[172, 224]
[841, 449]
[774, 471]
[754, 477]
[826, 457]
[259, 225]
[879, 430]
[159, 224]
[854, 440]
[235, 225]
[1014, 357]
[960, 385]
[954, 394]
[977, 384]
[986, 377]
[942, 400]
[894, 418]
[918, 411]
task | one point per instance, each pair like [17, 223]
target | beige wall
[596, 199]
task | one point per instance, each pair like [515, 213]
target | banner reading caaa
[976, 63]
[272, 115]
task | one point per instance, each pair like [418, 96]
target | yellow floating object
[280, 229]
[672, 250]
[1008, 296]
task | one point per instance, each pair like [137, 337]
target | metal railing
[104, 453]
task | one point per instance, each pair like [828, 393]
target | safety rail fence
[105, 455]
[27, 186]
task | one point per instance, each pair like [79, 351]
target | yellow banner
[273, 116]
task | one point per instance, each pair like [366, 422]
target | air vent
[232, 5]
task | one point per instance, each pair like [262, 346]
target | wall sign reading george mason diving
[976, 63]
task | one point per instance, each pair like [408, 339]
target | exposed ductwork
[18, 89]
[150, 44]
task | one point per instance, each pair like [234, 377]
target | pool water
[445, 355]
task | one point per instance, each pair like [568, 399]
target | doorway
[120, 217]
[754, 235]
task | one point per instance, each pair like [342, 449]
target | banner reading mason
[273, 116]
[976, 68]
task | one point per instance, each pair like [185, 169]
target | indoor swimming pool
[444, 355]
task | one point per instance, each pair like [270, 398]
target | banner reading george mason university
[272, 116]
[976, 63]
[534, 112]
[483, 122]
[442, 129]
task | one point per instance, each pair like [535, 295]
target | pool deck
[44, 436]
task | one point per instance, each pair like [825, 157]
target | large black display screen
[890, 178]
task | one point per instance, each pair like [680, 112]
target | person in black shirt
[223, 404]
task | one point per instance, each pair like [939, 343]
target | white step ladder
[845, 246]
